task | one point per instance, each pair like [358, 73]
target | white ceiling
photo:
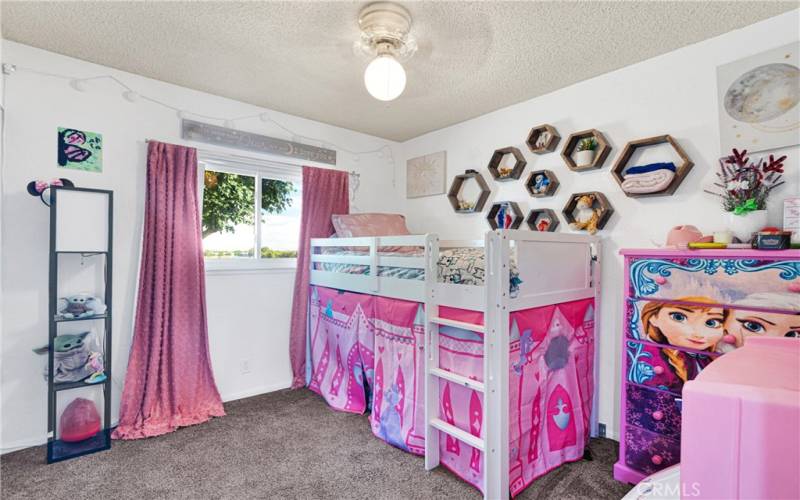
[296, 57]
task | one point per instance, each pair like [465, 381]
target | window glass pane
[228, 215]
[280, 218]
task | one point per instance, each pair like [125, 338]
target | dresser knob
[658, 415]
[658, 370]
[656, 459]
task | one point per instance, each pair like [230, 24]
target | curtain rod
[352, 173]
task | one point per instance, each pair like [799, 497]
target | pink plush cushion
[355, 225]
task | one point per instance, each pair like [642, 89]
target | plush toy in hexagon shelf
[80, 305]
[586, 216]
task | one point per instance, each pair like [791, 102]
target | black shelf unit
[57, 449]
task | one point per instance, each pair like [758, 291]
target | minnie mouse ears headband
[41, 188]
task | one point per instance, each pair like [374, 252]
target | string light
[129, 94]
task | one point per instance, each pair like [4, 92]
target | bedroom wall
[248, 311]
[672, 94]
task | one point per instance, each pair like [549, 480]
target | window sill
[247, 266]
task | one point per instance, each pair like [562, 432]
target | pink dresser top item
[741, 424]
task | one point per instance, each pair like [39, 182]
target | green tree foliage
[228, 200]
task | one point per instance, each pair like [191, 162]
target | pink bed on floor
[367, 355]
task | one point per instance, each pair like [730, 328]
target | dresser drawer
[718, 329]
[661, 367]
[653, 410]
[717, 280]
[649, 452]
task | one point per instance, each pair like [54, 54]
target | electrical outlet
[245, 366]
[601, 430]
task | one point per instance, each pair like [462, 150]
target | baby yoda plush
[81, 305]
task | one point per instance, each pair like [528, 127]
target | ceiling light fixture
[385, 38]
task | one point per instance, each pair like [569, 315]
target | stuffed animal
[587, 216]
[81, 305]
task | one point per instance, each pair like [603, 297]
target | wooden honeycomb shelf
[681, 170]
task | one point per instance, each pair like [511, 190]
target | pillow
[355, 225]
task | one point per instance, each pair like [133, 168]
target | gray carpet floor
[287, 445]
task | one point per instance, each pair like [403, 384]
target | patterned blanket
[464, 266]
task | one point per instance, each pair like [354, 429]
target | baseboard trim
[257, 391]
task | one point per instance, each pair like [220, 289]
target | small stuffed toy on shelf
[80, 305]
[586, 216]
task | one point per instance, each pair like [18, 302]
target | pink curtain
[169, 383]
[325, 193]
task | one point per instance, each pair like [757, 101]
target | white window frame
[260, 169]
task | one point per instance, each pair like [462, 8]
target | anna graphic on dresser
[688, 326]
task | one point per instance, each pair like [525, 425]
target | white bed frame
[554, 268]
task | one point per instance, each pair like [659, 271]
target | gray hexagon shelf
[621, 167]
[505, 215]
[455, 195]
[593, 161]
[542, 139]
[600, 205]
[541, 183]
[502, 174]
[542, 220]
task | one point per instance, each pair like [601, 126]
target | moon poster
[759, 100]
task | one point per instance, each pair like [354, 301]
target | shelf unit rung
[458, 324]
[65, 386]
[58, 319]
[458, 379]
[461, 435]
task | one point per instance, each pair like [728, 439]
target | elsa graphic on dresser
[741, 324]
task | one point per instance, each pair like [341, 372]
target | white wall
[248, 313]
[672, 94]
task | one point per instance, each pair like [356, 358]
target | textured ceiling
[296, 57]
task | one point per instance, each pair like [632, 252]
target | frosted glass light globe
[385, 78]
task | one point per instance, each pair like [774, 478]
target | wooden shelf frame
[536, 213]
[455, 188]
[600, 201]
[601, 153]
[516, 221]
[551, 187]
[497, 158]
[681, 170]
[549, 145]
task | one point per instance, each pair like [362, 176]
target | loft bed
[448, 367]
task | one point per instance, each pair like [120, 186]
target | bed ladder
[493, 442]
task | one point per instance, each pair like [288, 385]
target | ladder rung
[457, 433]
[458, 324]
[458, 379]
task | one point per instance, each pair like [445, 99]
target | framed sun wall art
[425, 175]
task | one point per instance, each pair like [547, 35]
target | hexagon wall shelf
[462, 206]
[541, 183]
[511, 216]
[542, 139]
[542, 219]
[600, 155]
[681, 170]
[513, 173]
[600, 202]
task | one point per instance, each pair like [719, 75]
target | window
[251, 212]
